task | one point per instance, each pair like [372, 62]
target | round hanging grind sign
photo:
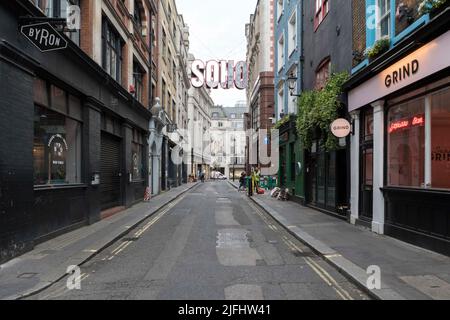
[340, 128]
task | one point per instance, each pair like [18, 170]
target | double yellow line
[322, 273]
[141, 231]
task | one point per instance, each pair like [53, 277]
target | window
[164, 45]
[111, 51]
[440, 144]
[292, 43]
[233, 116]
[406, 144]
[384, 18]
[281, 101]
[281, 53]
[163, 95]
[137, 18]
[279, 9]
[57, 138]
[137, 152]
[58, 9]
[322, 74]
[138, 80]
[322, 8]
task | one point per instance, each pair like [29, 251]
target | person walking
[202, 177]
[242, 181]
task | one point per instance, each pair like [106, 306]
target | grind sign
[340, 128]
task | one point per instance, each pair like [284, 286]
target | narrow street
[211, 243]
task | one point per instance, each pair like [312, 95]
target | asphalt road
[212, 243]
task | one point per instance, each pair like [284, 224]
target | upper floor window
[111, 51]
[321, 11]
[292, 43]
[384, 18]
[137, 17]
[138, 80]
[280, 7]
[59, 9]
[233, 116]
[322, 74]
[281, 53]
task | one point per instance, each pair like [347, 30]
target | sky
[217, 32]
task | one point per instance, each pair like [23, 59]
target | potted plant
[381, 46]
[431, 6]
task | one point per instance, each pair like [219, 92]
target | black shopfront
[402, 185]
[73, 141]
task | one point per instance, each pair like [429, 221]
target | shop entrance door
[366, 165]
[110, 171]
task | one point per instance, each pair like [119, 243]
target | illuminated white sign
[224, 74]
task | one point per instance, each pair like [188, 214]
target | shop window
[322, 9]
[406, 144]
[137, 152]
[59, 99]
[440, 142]
[56, 148]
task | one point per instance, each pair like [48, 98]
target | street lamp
[292, 84]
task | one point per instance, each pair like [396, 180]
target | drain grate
[303, 254]
[27, 275]
[131, 239]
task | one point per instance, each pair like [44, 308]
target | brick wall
[359, 30]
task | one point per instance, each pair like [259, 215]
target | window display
[406, 144]
[440, 142]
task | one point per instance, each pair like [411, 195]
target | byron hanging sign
[224, 74]
[44, 36]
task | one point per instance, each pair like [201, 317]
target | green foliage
[428, 6]
[318, 109]
[380, 46]
[281, 122]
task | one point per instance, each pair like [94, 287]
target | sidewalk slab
[48, 261]
[407, 271]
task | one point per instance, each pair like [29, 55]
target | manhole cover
[26, 275]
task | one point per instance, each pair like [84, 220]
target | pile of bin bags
[280, 194]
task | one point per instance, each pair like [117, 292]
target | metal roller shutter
[110, 171]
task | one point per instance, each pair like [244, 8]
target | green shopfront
[291, 161]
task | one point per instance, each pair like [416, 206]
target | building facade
[74, 122]
[200, 104]
[260, 93]
[398, 99]
[228, 140]
[288, 17]
[327, 33]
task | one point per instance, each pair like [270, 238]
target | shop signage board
[44, 37]
[341, 128]
[425, 61]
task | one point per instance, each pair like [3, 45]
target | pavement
[47, 263]
[212, 243]
[406, 271]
